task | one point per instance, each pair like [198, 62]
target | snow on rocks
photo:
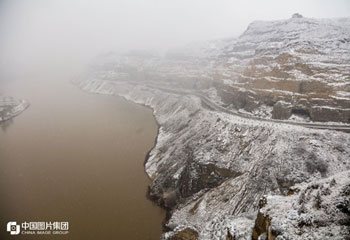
[211, 168]
[316, 210]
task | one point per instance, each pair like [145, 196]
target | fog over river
[76, 157]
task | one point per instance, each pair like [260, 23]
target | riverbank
[209, 168]
[81, 152]
[10, 107]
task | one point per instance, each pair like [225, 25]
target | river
[76, 157]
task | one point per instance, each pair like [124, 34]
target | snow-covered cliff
[302, 61]
[210, 168]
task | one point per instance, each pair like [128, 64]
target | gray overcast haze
[34, 32]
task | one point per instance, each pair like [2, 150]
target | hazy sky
[33, 30]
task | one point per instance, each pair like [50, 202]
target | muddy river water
[76, 157]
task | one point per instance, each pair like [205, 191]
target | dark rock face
[233, 97]
[237, 98]
[262, 224]
[343, 202]
[193, 178]
[186, 234]
[314, 109]
[281, 110]
[324, 114]
[208, 176]
[229, 236]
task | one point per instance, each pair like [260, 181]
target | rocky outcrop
[262, 222]
[316, 210]
[186, 234]
[168, 193]
[281, 110]
[324, 114]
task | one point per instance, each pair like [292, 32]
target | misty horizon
[60, 32]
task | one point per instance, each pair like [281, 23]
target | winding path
[215, 107]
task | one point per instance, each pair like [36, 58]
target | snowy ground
[316, 210]
[210, 168]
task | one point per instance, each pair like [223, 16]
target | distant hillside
[296, 66]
